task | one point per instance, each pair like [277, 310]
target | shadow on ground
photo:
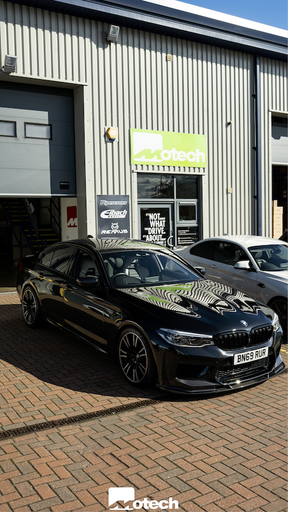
[55, 357]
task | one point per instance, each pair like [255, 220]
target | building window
[187, 212]
[38, 131]
[7, 128]
[155, 187]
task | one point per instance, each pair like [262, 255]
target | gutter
[258, 196]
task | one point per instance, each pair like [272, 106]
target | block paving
[222, 453]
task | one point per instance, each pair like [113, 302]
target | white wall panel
[132, 85]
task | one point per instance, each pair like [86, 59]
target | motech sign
[168, 148]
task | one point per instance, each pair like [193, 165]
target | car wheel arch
[280, 298]
[151, 372]
[38, 312]
[133, 325]
[275, 298]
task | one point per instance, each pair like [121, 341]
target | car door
[52, 273]
[88, 311]
[202, 255]
[226, 255]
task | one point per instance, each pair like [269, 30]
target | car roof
[124, 244]
[248, 240]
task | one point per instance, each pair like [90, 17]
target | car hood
[203, 299]
[279, 275]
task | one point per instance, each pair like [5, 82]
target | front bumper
[211, 369]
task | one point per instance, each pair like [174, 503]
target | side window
[46, 256]
[61, 258]
[203, 250]
[85, 265]
[229, 253]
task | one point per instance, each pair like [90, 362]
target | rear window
[204, 250]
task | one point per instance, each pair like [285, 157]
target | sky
[269, 12]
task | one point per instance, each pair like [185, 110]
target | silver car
[256, 265]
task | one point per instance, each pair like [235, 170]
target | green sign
[168, 148]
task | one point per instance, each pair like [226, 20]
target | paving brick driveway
[225, 453]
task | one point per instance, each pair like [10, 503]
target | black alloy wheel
[280, 307]
[135, 358]
[30, 307]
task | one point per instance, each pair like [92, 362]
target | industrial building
[150, 119]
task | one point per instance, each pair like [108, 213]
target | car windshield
[271, 257]
[138, 268]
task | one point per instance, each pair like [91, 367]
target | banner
[113, 216]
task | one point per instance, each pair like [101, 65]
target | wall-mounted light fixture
[10, 64]
[113, 33]
[111, 134]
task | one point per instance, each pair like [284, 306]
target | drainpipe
[258, 196]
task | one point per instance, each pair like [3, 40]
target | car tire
[30, 308]
[279, 305]
[136, 359]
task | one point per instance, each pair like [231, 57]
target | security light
[113, 33]
[10, 64]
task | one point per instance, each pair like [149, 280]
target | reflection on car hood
[186, 297]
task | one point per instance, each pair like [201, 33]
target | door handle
[261, 285]
[213, 266]
[69, 287]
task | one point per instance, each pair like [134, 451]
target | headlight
[276, 324]
[185, 339]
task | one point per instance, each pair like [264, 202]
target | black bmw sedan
[165, 322]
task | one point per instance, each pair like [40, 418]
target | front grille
[230, 374]
[235, 340]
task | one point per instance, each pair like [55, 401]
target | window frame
[12, 122]
[37, 124]
[69, 261]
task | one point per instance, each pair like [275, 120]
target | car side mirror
[88, 281]
[201, 270]
[243, 265]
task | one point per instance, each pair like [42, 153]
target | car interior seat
[142, 267]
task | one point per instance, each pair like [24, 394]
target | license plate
[251, 355]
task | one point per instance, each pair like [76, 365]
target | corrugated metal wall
[274, 98]
[132, 85]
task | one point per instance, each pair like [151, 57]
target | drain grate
[46, 425]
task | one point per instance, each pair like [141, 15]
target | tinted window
[186, 187]
[46, 256]
[228, 253]
[61, 258]
[204, 250]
